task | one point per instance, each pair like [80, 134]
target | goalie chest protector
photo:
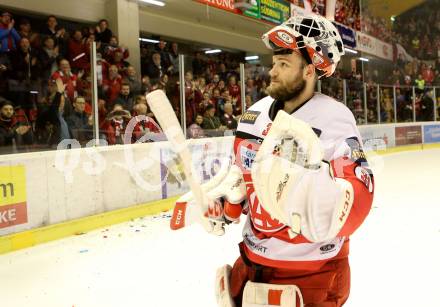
[266, 241]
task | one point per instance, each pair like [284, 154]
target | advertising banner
[372, 45]
[408, 135]
[365, 43]
[297, 10]
[13, 200]
[431, 134]
[275, 11]
[297, 7]
[384, 50]
[400, 52]
[249, 8]
[377, 137]
[227, 5]
[348, 35]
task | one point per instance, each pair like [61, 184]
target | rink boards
[45, 196]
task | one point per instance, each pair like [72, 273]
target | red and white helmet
[312, 36]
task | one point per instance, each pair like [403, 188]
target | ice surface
[395, 255]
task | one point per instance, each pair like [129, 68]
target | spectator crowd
[376, 26]
[45, 81]
[347, 12]
[418, 31]
[45, 86]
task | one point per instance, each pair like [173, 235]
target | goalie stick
[161, 107]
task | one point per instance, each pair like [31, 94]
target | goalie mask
[313, 37]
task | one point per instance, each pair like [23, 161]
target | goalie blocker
[225, 193]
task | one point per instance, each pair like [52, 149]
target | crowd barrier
[389, 136]
[40, 190]
[45, 188]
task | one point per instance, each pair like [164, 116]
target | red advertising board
[227, 5]
[408, 135]
[13, 215]
[249, 8]
[13, 199]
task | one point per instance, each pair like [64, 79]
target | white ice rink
[395, 256]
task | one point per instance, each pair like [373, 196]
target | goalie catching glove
[295, 186]
[225, 195]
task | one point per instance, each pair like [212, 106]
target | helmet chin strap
[320, 75]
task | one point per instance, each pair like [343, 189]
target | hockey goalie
[300, 176]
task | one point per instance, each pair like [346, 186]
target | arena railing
[370, 104]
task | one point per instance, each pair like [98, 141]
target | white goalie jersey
[266, 240]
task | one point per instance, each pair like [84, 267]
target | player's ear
[309, 71]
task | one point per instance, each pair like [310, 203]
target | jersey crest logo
[247, 156]
[261, 220]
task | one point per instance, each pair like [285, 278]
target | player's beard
[282, 92]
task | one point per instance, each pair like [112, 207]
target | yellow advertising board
[13, 202]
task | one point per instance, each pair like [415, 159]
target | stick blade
[162, 109]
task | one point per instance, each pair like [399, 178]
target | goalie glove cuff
[328, 205]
